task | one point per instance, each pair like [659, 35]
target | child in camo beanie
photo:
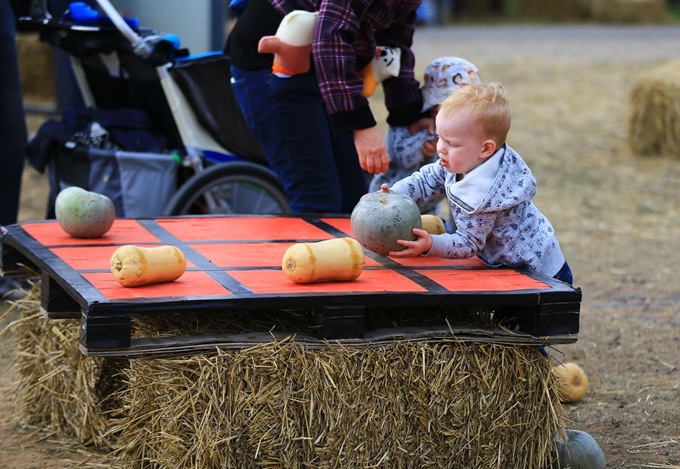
[407, 152]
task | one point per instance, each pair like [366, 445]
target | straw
[57, 388]
[654, 122]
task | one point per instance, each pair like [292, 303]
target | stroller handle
[139, 45]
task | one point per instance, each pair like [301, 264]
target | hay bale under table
[654, 122]
[57, 388]
[445, 405]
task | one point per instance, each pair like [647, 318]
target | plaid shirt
[346, 35]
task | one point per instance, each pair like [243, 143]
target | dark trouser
[320, 172]
[12, 119]
[565, 274]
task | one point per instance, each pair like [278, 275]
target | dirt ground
[616, 215]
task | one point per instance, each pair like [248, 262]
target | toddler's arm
[408, 150]
[472, 231]
[424, 184]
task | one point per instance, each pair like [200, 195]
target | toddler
[488, 186]
[407, 152]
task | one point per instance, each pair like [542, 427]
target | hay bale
[281, 404]
[654, 120]
[555, 10]
[36, 67]
[458, 405]
[57, 388]
[629, 11]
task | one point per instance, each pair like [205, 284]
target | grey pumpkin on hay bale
[654, 120]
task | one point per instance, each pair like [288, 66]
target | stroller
[211, 162]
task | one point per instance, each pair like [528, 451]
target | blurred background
[203, 26]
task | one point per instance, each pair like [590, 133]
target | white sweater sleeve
[424, 184]
[469, 239]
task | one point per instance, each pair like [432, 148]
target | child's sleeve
[472, 231]
[407, 149]
[424, 184]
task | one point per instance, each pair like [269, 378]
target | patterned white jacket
[495, 218]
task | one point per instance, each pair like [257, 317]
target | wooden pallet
[234, 262]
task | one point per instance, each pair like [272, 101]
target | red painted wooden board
[250, 249]
[235, 262]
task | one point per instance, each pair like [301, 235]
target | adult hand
[371, 149]
[423, 123]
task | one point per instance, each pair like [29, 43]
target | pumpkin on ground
[581, 451]
[340, 259]
[572, 382]
[84, 214]
[134, 266]
[382, 218]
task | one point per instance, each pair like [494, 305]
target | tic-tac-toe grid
[235, 262]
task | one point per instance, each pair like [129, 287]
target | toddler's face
[461, 143]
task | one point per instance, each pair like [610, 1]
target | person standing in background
[315, 126]
[13, 136]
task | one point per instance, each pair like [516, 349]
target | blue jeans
[320, 172]
[12, 119]
[565, 274]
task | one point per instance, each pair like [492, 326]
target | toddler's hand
[423, 243]
[423, 123]
[383, 188]
[429, 148]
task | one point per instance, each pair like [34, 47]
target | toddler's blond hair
[486, 103]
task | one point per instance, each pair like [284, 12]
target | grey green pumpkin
[381, 218]
[580, 451]
[84, 214]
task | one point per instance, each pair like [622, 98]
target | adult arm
[341, 31]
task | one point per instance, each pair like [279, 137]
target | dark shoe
[10, 289]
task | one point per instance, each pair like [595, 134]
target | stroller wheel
[230, 188]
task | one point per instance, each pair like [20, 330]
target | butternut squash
[133, 266]
[433, 224]
[572, 382]
[340, 259]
